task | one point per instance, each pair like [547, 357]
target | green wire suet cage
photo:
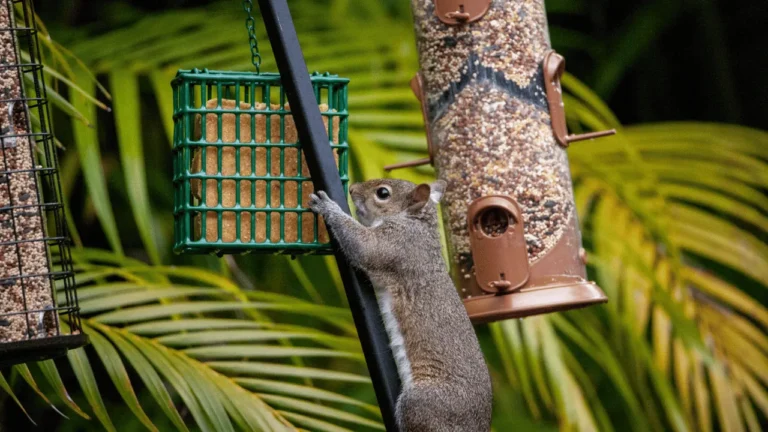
[241, 184]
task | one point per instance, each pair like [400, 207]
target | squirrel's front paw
[322, 204]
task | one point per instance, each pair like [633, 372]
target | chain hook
[250, 25]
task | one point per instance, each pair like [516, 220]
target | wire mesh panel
[241, 183]
[35, 263]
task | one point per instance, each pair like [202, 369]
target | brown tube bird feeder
[490, 92]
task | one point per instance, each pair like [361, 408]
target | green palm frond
[234, 360]
[659, 205]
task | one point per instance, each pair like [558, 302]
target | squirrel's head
[378, 199]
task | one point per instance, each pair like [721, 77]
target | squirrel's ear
[438, 189]
[418, 197]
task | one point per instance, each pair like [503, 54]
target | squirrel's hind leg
[434, 409]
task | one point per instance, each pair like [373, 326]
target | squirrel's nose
[353, 188]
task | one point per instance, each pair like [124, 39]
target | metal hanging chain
[250, 25]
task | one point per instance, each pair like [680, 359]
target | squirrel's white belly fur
[396, 341]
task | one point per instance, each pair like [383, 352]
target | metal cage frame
[20, 166]
[192, 89]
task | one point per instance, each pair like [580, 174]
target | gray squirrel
[445, 381]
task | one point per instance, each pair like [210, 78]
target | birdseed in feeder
[494, 222]
[508, 39]
[507, 151]
[26, 307]
[267, 163]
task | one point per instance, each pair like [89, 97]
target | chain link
[250, 25]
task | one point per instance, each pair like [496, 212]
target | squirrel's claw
[314, 200]
[320, 202]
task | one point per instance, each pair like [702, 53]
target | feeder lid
[271, 77]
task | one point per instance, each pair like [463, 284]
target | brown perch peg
[554, 66]
[417, 87]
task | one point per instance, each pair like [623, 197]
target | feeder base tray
[533, 301]
[13, 353]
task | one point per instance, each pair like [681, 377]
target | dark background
[650, 60]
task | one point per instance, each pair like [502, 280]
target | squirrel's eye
[383, 193]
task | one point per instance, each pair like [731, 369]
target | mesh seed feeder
[39, 315]
[241, 182]
[490, 93]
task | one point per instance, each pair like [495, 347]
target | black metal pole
[325, 175]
